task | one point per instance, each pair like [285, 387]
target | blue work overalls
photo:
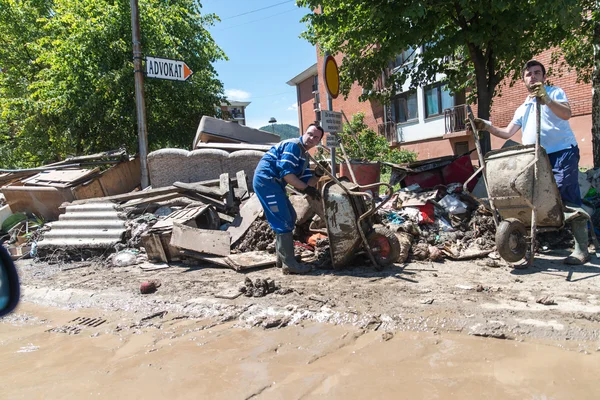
[287, 157]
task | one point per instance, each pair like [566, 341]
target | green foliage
[577, 50]
[285, 131]
[373, 147]
[67, 86]
[474, 44]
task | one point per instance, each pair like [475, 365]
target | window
[403, 58]
[315, 85]
[461, 148]
[404, 107]
[437, 99]
[315, 88]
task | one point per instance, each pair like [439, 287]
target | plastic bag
[453, 205]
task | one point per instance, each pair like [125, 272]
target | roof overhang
[234, 103]
[304, 75]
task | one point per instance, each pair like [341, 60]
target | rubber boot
[279, 260]
[285, 253]
[580, 254]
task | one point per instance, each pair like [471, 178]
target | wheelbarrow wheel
[385, 247]
[511, 240]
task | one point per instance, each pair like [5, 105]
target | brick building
[235, 111]
[429, 120]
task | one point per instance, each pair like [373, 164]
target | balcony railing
[388, 130]
[454, 118]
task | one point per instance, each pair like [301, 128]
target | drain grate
[91, 322]
[76, 325]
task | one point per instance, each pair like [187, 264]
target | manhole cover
[75, 326]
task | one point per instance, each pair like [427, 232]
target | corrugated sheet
[94, 225]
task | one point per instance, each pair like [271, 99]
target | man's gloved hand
[312, 192]
[480, 124]
[539, 90]
[320, 169]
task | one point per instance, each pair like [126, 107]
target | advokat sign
[165, 68]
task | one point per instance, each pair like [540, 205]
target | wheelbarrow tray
[511, 187]
[341, 214]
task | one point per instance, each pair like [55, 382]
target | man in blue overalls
[286, 163]
[558, 140]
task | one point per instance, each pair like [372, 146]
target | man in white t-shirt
[558, 140]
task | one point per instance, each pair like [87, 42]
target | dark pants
[565, 166]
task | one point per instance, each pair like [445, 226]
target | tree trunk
[483, 111]
[596, 96]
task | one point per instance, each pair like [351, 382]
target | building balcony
[454, 121]
[388, 130]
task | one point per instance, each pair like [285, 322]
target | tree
[67, 86]
[373, 147]
[475, 44]
[581, 50]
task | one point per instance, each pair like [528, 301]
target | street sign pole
[332, 84]
[139, 93]
[330, 108]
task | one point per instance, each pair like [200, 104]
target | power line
[256, 20]
[258, 9]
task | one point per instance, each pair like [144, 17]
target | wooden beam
[248, 214]
[201, 240]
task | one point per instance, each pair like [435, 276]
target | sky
[261, 40]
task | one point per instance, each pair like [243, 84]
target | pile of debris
[438, 223]
[32, 197]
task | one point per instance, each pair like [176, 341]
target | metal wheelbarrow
[523, 196]
[348, 217]
[348, 212]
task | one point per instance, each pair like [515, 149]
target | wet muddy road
[50, 353]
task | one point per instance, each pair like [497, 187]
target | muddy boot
[580, 232]
[285, 254]
[278, 252]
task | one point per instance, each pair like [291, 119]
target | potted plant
[366, 149]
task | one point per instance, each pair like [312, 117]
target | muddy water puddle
[49, 353]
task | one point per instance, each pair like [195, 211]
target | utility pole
[139, 92]
[596, 87]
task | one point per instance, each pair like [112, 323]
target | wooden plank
[132, 196]
[225, 217]
[227, 187]
[121, 178]
[182, 216]
[87, 190]
[206, 200]
[248, 214]
[205, 190]
[217, 260]
[154, 248]
[252, 259]
[242, 180]
[155, 199]
[201, 240]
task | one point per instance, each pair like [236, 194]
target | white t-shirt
[556, 133]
